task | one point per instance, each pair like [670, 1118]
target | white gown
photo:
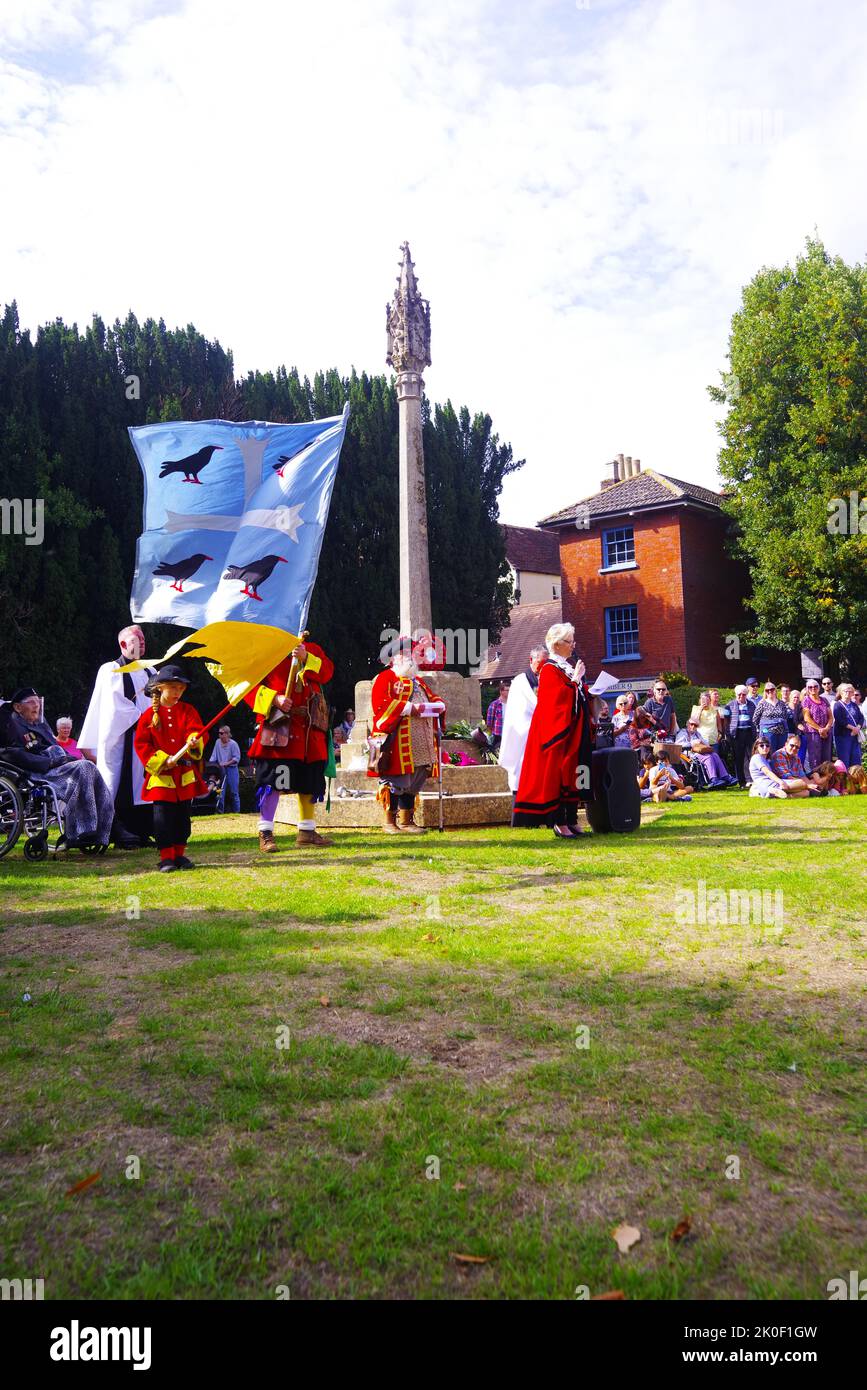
[517, 715]
[108, 717]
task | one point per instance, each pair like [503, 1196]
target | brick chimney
[617, 465]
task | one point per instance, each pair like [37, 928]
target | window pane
[619, 546]
[621, 630]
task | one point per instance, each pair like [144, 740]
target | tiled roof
[529, 549]
[528, 623]
[646, 489]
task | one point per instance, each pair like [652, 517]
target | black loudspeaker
[614, 781]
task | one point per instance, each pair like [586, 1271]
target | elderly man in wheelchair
[42, 787]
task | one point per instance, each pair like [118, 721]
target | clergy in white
[518, 714]
[117, 702]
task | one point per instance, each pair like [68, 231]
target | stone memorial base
[476, 795]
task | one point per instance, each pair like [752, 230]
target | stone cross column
[408, 329]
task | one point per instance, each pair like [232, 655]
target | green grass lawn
[435, 994]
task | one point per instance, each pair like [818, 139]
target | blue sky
[585, 191]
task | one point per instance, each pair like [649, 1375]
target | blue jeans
[229, 789]
[776, 737]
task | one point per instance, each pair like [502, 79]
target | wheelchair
[29, 805]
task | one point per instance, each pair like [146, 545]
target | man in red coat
[555, 773]
[404, 713]
[290, 749]
[168, 740]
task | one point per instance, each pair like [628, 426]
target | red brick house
[649, 586]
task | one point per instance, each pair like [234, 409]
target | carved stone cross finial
[407, 322]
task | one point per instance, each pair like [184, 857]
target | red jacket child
[154, 746]
[169, 728]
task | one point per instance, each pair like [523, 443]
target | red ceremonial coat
[558, 740]
[153, 746]
[306, 744]
[387, 698]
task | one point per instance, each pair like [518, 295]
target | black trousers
[171, 823]
[130, 819]
[743, 741]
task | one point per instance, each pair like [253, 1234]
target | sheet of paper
[603, 682]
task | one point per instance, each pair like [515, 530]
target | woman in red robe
[555, 774]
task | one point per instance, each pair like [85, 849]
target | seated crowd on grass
[788, 743]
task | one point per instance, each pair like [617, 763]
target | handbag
[274, 735]
[377, 746]
[317, 709]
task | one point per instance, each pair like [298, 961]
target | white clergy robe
[517, 715]
[110, 718]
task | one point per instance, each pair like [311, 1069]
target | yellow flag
[239, 655]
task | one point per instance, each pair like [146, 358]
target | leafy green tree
[795, 446]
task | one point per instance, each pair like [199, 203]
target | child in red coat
[169, 742]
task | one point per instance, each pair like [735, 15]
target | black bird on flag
[179, 570]
[255, 573]
[192, 464]
[283, 459]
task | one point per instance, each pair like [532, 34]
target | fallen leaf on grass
[606, 1297]
[683, 1228]
[469, 1259]
[626, 1237]
[430, 937]
[324, 1000]
[85, 1183]
[459, 1187]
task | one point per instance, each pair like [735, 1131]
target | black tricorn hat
[24, 693]
[169, 671]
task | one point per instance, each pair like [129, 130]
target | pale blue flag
[234, 516]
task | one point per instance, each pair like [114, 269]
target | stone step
[485, 777]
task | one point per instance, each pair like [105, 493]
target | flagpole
[440, 769]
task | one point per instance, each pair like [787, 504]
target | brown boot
[389, 823]
[312, 837]
[405, 823]
[267, 843]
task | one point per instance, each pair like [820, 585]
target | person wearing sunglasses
[765, 782]
[818, 724]
[660, 706]
[771, 718]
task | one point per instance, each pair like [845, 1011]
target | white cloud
[585, 192]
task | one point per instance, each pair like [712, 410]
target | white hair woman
[623, 720]
[555, 773]
[848, 722]
[64, 737]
